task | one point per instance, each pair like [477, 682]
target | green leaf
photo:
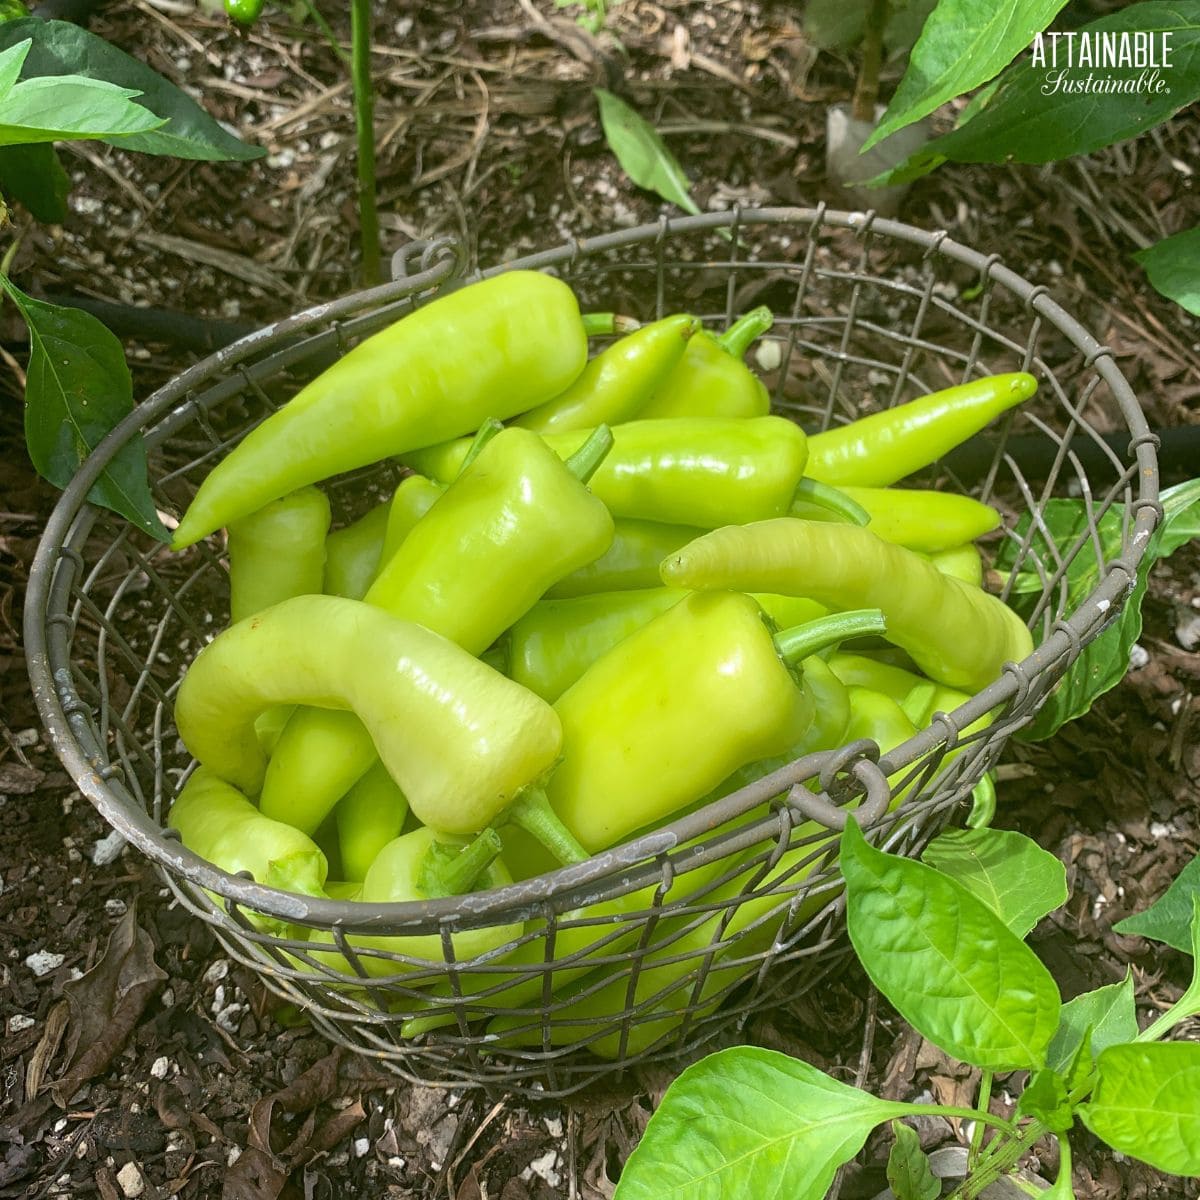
[1105, 660]
[11, 61]
[642, 153]
[77, 389]
[1105, 1016]
[60, 48]
[33, 175]
[835, 24]
[946, 962]
[964, 43]
[1018, 880]
[1173, 266]
[1169, 918]
[1033, 119]
[750, 1122]
[1045, 1099]
[908, 1171]
[1147, 1104]
[71, 108]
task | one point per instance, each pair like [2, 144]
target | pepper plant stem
[800, 641]
[737, 339]
[487, 431]
[364, 120]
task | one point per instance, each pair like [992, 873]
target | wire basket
[671, 940]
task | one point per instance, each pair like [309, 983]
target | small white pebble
[167, 998]
[60, 1125]
[42, 962]
[217, 971]
[396, 1163]
[115, 907]
[361, 1146]
[232, 1155]
[1139, 656]
[131, 1181]
[107, 850]
[768, 354]
[544, 1168]
[160, 1067]
[554, 1127]
[1160, 830]
[20, 1021]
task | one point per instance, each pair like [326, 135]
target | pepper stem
[448, 871]
[797, 643]
[584, 462]
[811, 493]
[737, 339]
[301, 872]
[531, 811]
[487, 431]
[595, 324]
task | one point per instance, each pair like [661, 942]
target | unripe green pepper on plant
[957, 634]
[495, 348]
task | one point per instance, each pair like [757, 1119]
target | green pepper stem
[487, 431]
[448, 871]
[737, 339]
[301, 872]
[531, 811]
[584, 462]
[822, 495]
[596, 324]
[797, 643]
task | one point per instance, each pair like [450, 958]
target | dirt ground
[167, 1077]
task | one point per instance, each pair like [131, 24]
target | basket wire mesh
[692, 927]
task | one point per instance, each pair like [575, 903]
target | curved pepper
[631, 756]
[883, 447]
[957, 634]
[461, 741]
[616, 383]
[496, 348]
[517, 519]
[712, 380]
[422, 865]
[278, 552]
[919, 519]
[218, 823]
[965, 563]
[701, 471]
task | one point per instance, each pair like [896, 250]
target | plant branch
[364, 120]
[866, 90]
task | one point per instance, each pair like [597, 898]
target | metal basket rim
[441, 262]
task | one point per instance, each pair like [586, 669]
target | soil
[165, 1075]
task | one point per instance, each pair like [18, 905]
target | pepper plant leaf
[1018, 880]
[1063, 527]
[642, 153]
[60, 48]
[77, 389]
[1045, 1099]
[1146, 1103]
[1043, 113]
[946, 962]
[1169, 918]
[71, 108]
[33, 175]
[751, 1122]
[1105, 1016]
[908, 1172]
[963, 44]
[1173, 266]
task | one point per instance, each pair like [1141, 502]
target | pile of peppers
[609, 590]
